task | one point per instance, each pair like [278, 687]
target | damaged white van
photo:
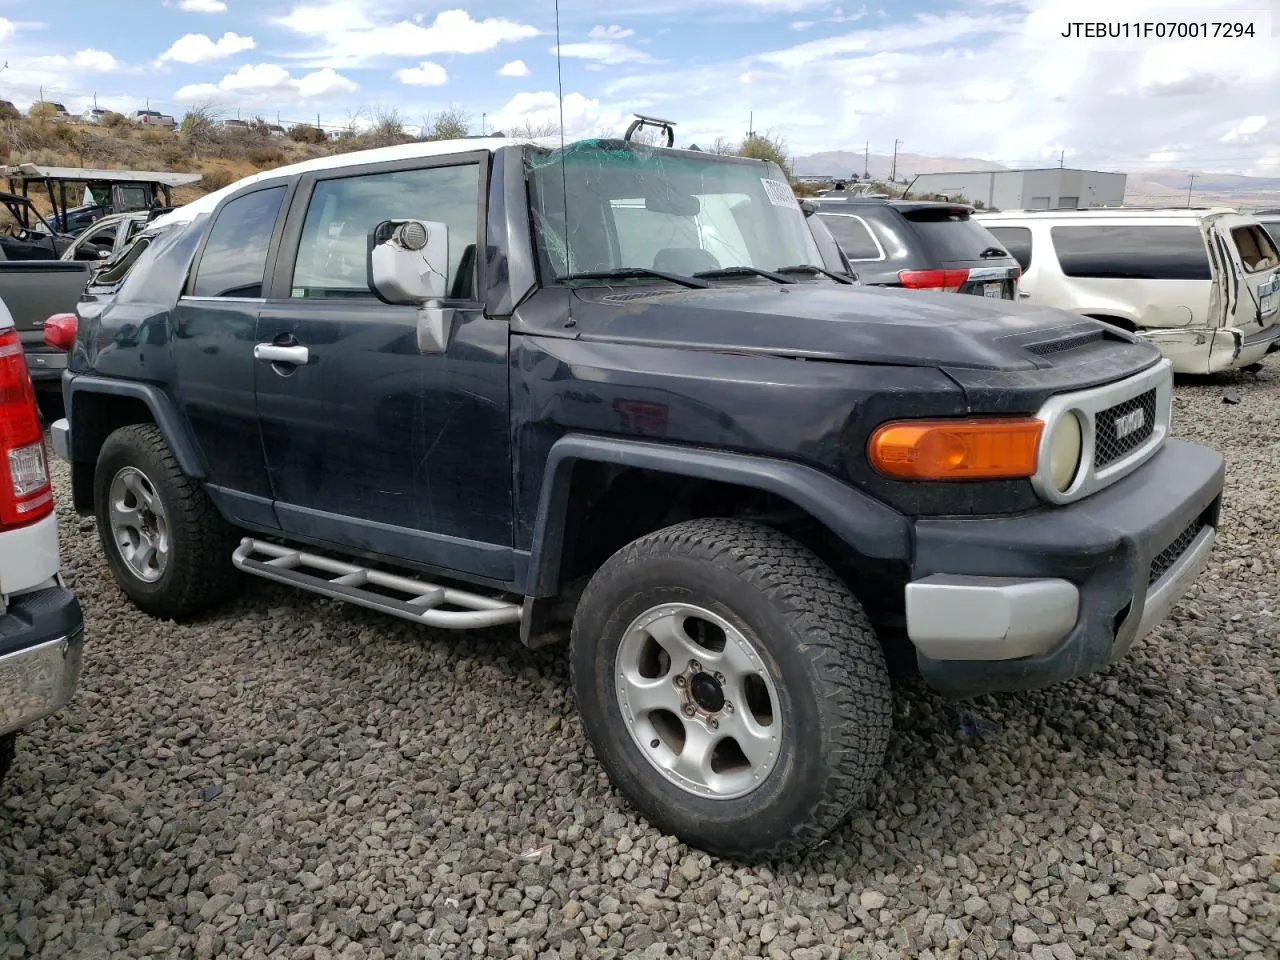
[1202, 284]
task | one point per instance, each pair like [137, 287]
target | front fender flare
[865, 524]
[78, 391]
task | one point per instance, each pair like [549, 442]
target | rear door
[953, 242]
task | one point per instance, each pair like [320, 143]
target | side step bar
[423, 601]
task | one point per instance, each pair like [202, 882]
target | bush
[216, 179]
[265, 157]
[113, 120]
[306, 133]
[8, 111]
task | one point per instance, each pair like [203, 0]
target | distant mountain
[1150, 187]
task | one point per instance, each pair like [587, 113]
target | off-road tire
[811, 634]
[8, 746]
[199, 572]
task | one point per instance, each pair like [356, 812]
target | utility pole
[751, 124]
[1189, 186]
[893, 169]
[1062, 157]
[483, 120]
[866, 160]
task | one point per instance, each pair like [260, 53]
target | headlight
[1066, 442]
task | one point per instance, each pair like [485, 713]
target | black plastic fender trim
[872, 529]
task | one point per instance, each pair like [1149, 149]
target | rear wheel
[731, 687]
[166, 544]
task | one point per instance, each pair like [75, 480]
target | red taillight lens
[26, 494]
[60, 331]
[951, 280]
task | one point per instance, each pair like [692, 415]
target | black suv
[607, 393]
[920, 245]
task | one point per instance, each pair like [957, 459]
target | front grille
[1120, 431]
[1047, 348]
[1167, 557]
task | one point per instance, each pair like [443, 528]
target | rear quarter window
[853, 235]
[1257, 251]
[950, 235]
[154, 269]
[1017, 240]
[1132, 252]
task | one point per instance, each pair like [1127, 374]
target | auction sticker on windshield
[779, 193]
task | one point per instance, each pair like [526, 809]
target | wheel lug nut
[719, 677]
[713, 723]
[728, 707]
[680, 680]
[688, 709]
[695, 666]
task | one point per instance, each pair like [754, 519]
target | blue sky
[985, 79]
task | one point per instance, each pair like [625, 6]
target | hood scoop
[1067, 338]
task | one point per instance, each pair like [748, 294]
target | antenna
[564, 176]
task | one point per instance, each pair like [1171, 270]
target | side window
[234, 261]
[1130, 252]
[331, 253]
[853, 235]
[1257, 252]
[1017, 240]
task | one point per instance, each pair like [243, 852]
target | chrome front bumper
[39, 680]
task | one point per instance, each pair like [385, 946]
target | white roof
[1100, 213]
[404, 151]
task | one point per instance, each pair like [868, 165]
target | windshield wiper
[627, 273]
[993, 252]
[810, 268]
[742, 272]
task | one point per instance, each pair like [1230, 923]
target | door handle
[269, 352]
[1024, 294]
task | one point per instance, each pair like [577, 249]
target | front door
[372, 441]
[1255, 264]
[214, 324]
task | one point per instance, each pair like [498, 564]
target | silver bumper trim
[989, 618]
[60, 431]
[1168, 590]
[37, 681]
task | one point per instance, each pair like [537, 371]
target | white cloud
[97, 60]
[516, 68]
[262, 81]
[202, 6]
[1245, 130]
[347, 37]
[199, 48]
[583, 116]
[610, 33]
[425, 74]
[604, 46]
[7, 29]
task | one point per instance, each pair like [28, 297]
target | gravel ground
[299, 779]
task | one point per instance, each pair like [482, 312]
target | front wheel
[165, 542]
[731, 687]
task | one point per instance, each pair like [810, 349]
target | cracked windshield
[612, 206]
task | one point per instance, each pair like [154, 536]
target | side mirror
[408, 261]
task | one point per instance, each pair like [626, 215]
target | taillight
[60, 331]
[26, 494]
[949, 280]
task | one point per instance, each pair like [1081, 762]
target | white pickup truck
[41, 624]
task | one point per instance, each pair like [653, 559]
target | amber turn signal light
[990, 448]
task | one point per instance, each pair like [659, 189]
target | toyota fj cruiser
[607, 391]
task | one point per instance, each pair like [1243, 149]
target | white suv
[1202, 284]
[41, 625]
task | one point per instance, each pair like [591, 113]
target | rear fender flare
[865, 524]
[80, 390]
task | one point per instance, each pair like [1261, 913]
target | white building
[1052, 188]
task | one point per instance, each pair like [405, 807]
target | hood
[853, 324]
